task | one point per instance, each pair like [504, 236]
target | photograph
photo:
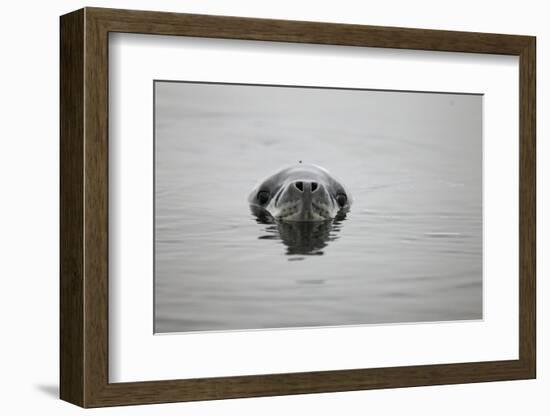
[290, 206]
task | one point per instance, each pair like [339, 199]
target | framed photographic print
[255, 207]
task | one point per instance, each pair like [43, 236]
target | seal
[300, 193]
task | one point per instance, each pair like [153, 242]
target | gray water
[410, 249]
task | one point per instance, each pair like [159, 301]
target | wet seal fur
[300, 193]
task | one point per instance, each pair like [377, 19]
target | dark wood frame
[84, 207]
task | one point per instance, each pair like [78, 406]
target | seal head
[300, 193]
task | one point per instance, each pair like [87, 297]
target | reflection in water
[305, 238]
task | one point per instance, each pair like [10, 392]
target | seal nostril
[299, 185]
[314, 186]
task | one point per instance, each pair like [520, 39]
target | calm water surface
[410, 250]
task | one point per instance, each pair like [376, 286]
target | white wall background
[29, 206]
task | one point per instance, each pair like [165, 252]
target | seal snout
[304, 191]
[303, 200]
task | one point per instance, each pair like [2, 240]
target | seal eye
[341, 199]
[263, 196]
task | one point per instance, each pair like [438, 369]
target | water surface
[410, 249]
